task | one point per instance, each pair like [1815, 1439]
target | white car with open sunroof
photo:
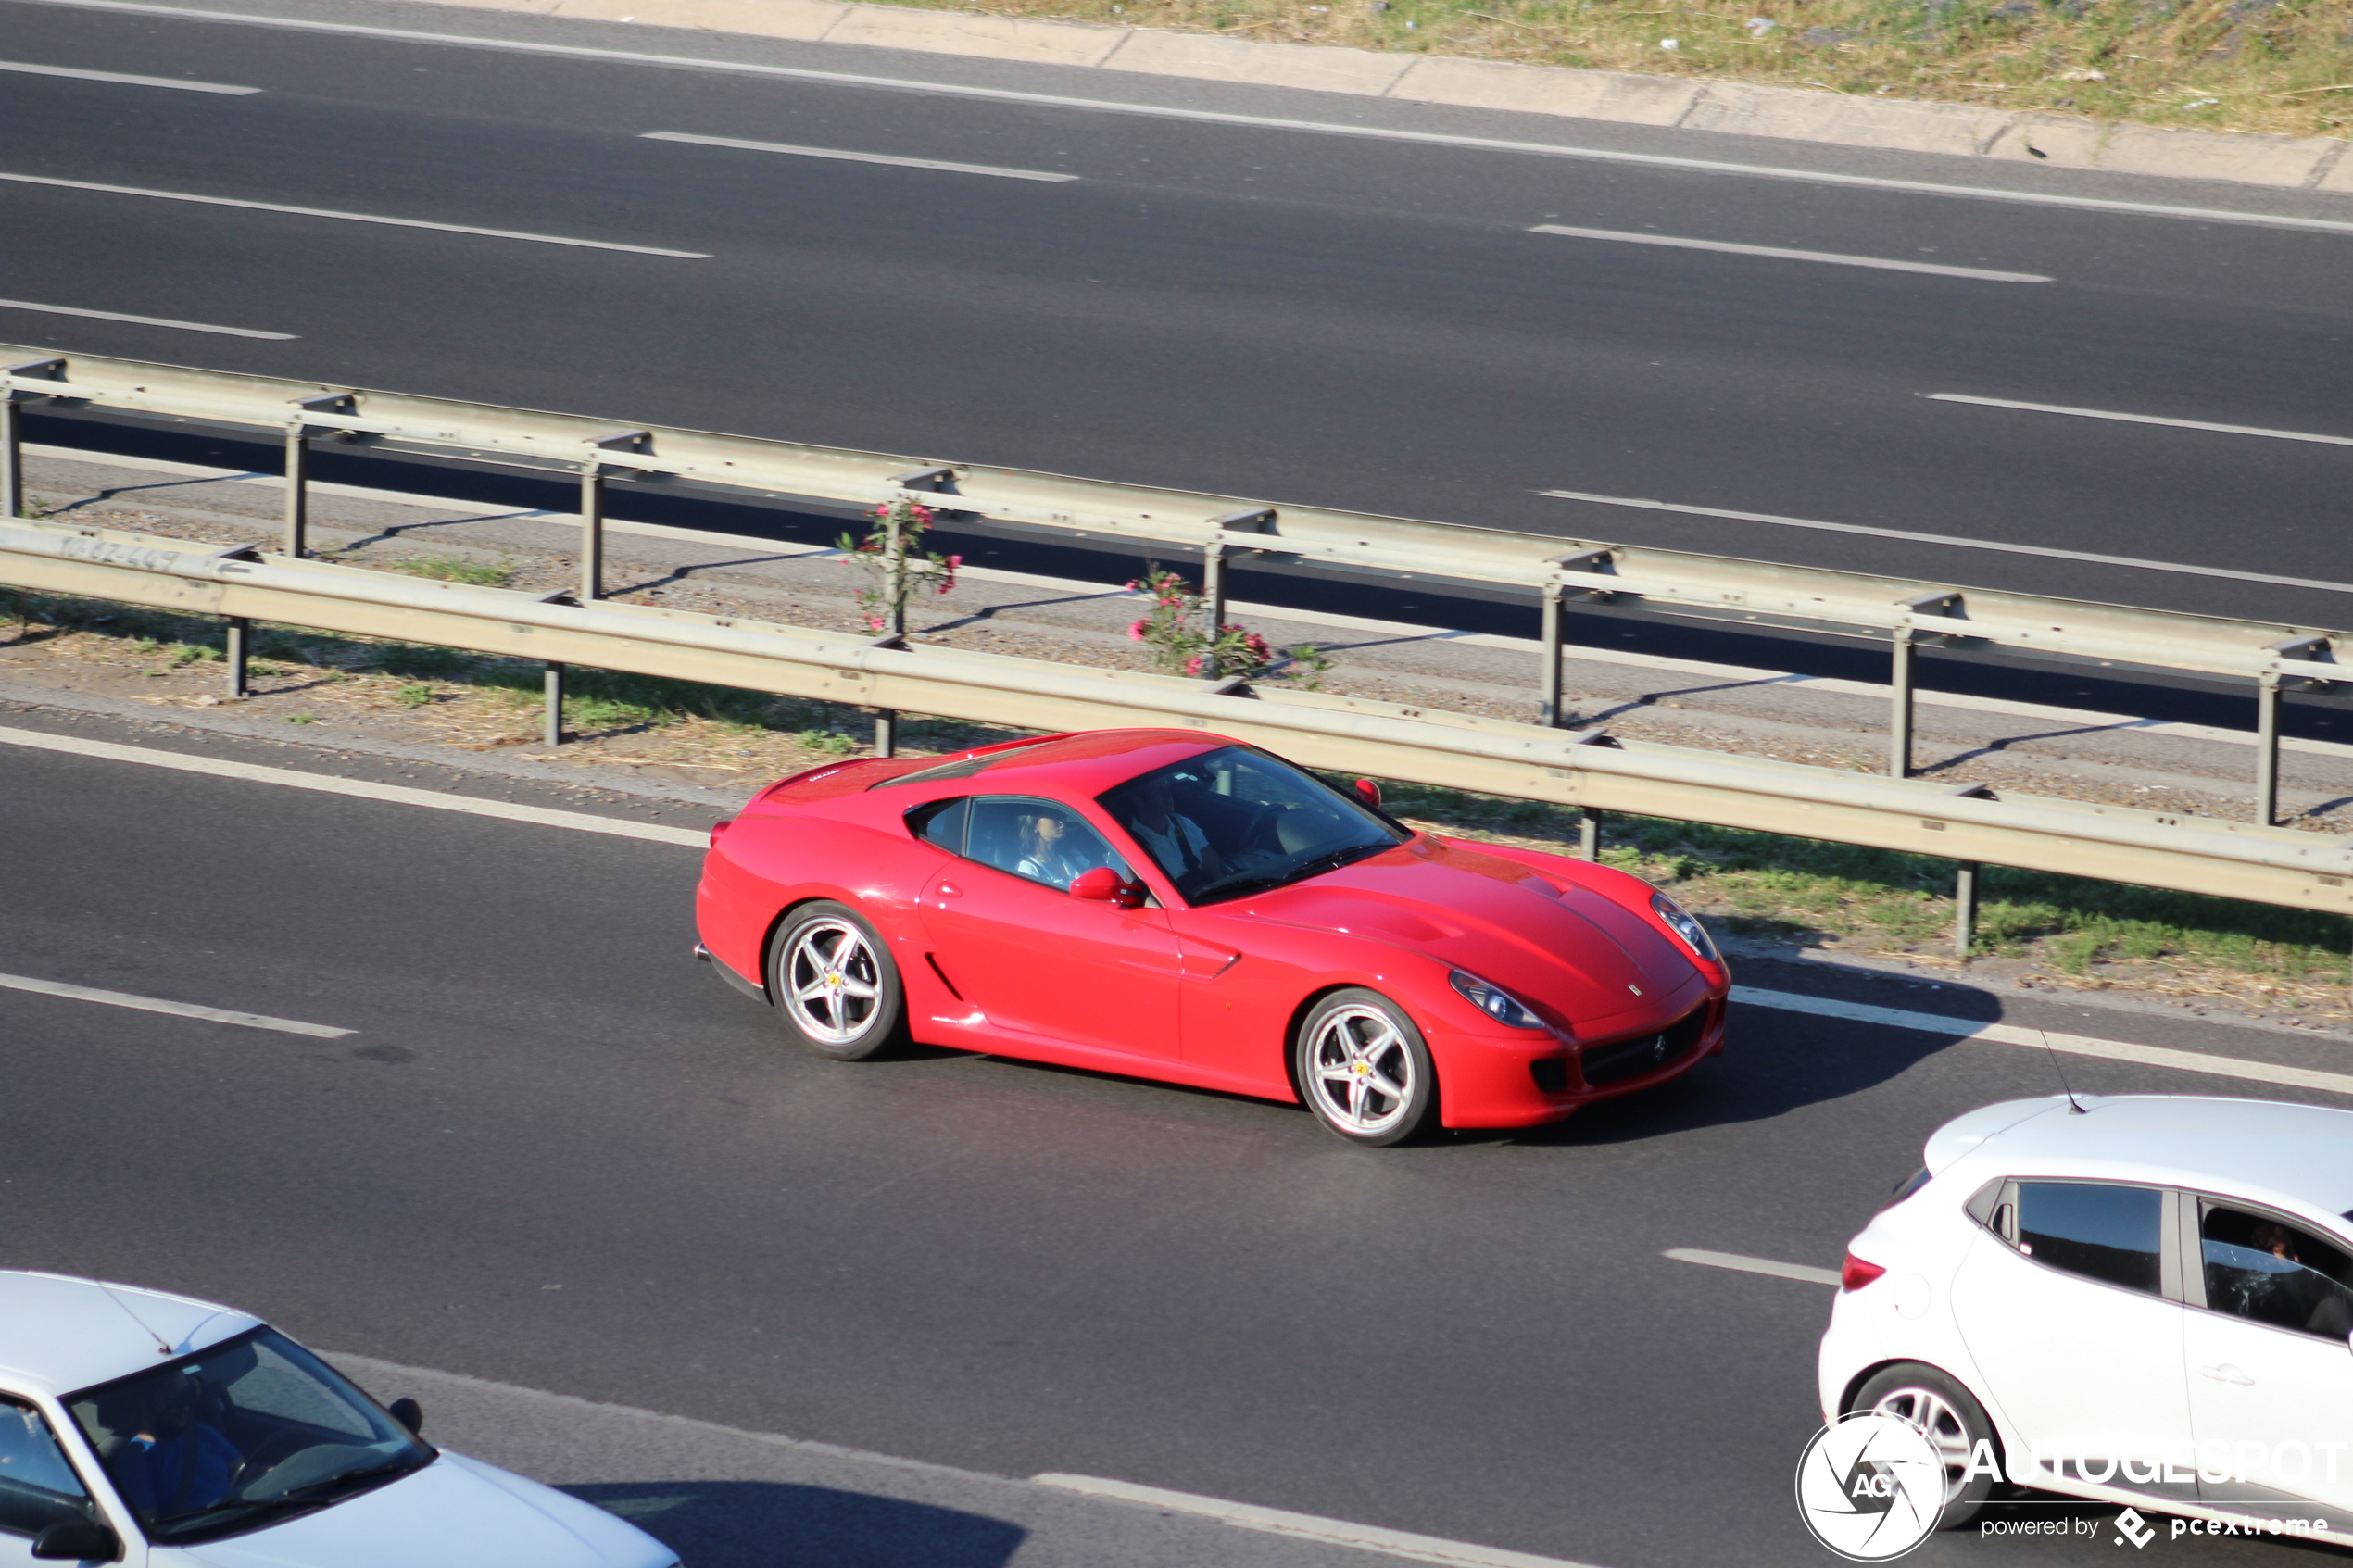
[160, 1432]
[2142, 1300]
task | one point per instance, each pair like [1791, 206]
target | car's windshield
[1234, 822]
[240, 1435]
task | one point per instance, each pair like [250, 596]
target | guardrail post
[12, 433]
[298, 465]
[1901, 648]
[552, 716]
[1588, 835]
[2270, 688]
[1250, 520]
[1964, 907]
[592, 507]
[237, 654]
[1550, 714]
[886, 720]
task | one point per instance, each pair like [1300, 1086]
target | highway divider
[1588, 769]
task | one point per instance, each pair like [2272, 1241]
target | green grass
[449, 569]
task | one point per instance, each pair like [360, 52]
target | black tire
[818, 998]
[1348, 1058]
[1955, 1422]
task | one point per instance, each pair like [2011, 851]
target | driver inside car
[1170, 838]
[173, 1460]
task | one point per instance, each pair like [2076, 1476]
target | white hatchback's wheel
[832, 981]
[1363, 1070]
[1954, 1422]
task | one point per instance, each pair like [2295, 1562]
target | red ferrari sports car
[1172, 904]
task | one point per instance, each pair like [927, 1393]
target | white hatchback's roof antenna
[2073, 1106]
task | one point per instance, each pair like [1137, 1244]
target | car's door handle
[2227, 1373]
[948, 890]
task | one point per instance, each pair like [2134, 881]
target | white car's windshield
[1236, 822]
[253, 1431]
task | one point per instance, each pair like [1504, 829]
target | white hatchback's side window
[2275, 1272]
[2112, 1234]
[38, 1487]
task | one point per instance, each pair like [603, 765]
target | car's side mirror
[1101, 885]
[77, 1540]
[410, 1413]
[1369, 793]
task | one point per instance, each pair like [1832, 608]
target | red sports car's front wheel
[832, 981]
[1363, 1070]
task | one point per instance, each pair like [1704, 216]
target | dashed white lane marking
[855, 157]
[26, 68]
[1954, 539]
[180, 1010]
[142, 320]
[2034, 1039]
[1834, 258]
[1802, 1272]
[399, 794]
[350, 217]
[2140, 418]
[1307, 1527]
[1212, 117]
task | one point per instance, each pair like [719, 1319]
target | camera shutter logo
[1871, 1486]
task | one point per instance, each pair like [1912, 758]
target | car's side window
[38, 1489]
[2272, 1271]
[1042, 840]
[2111, 1234]
[942, 822]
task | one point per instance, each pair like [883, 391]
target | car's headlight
[1681, 922]
[1495, 1003]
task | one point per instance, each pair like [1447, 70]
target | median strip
[2036, 1039]
[178, 1009]
[1938, 269]
[399, 794]
[350, 217]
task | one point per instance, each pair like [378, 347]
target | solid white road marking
[2034, 1039]
[1803, 1272]
[1912, 538]
[1210, 117]
[853, 157]
[180, 1009]
[28, 69]
[397, 795]
[142, 320]
[350, 217]
[1307, 1527]
[2140, 418]
[1778, 254]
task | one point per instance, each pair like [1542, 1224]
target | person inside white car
[175, 1461]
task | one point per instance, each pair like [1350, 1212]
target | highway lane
[556, 1154]
[1233, 308]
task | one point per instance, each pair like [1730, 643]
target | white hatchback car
[2144, 1301]
[159, 1432]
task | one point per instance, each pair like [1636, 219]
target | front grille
[1644, 1053]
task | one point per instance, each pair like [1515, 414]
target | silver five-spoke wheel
[834, 982]
[1952, 1419]
[1364, 1068]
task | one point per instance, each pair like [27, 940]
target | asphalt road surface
[556, 1154]
[1234, 307]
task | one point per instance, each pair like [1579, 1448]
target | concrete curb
[2312, 163]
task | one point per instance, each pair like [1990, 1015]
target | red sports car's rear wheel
[1363, 1070]
[834, 983]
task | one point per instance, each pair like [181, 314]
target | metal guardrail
[1909, 614]
[2190, 854]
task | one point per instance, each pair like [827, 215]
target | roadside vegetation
[1789, 890]
[2278, 66]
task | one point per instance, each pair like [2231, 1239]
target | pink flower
[1136, 633]
[1192, 665]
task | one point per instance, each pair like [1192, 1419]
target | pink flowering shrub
[895, 572]
[1176, 629]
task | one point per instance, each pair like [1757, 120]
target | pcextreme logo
[1871, 1486]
